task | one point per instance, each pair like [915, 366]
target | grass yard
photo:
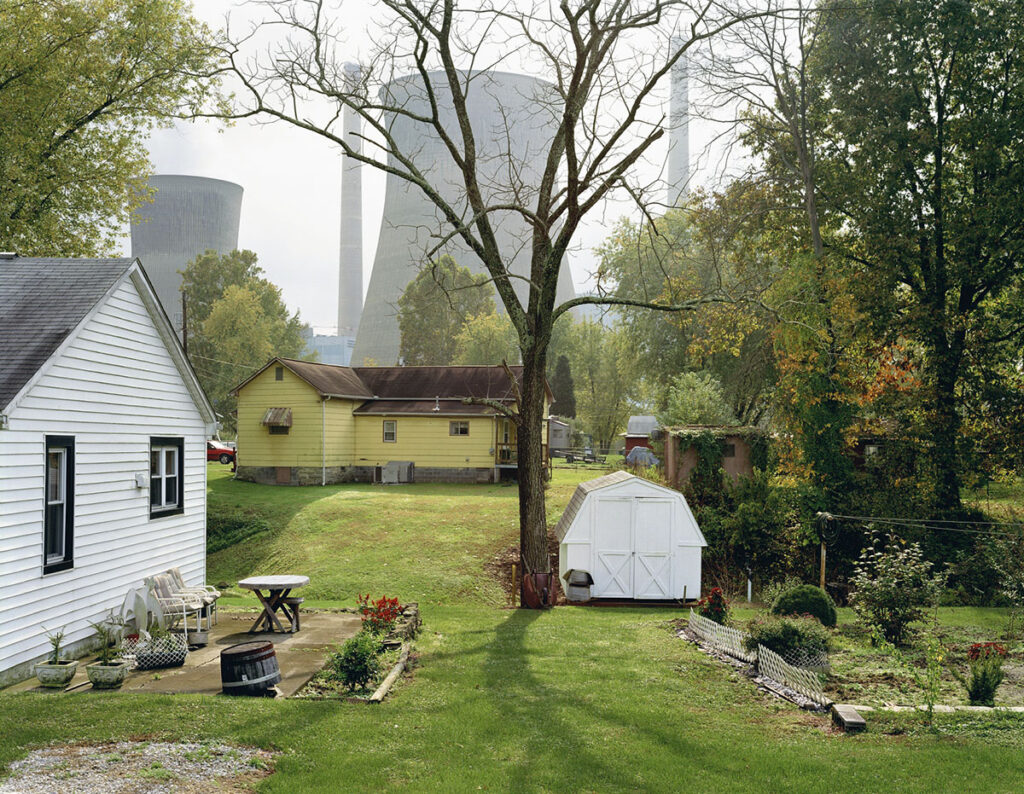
[572, 700]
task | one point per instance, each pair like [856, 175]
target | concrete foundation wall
[314, 475]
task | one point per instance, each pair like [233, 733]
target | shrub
[379, 616]
[985, 660]
[893, 585]
[357, 662]
[787, 636]
[806, 599]
[714, 606]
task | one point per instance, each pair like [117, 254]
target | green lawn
[425, 543]
[570, 700]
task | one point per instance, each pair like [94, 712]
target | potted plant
[56, 672]
[109, 670]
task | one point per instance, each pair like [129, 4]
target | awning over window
[277, 417]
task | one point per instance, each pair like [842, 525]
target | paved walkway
[299, 656]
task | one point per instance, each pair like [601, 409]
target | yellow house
[301, 423]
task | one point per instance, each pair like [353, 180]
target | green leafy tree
[81, 84]
[602, 361]
[563, 389]
[487, 339]
[433, 309]
[695, 398]
[925, 126]
[236, 321]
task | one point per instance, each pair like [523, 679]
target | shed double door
[633, 548]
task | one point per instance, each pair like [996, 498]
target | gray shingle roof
[641, 425]
[41, 302]
[581, 494]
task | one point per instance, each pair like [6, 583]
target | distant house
[741, 449]
[559, 434]
[302, 423]
[103, 429]
[638, 432]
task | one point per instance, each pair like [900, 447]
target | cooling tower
[189, 215]
[514, 119]
[350, 260]
[679, 130]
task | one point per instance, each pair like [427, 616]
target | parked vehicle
[584, 455]
[217, 450]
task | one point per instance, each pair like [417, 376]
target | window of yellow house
[390, 430]
[278, 373]
[458, 428]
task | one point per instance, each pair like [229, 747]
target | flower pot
[107, 675]
[56, 676]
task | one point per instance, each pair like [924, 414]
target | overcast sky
[292, 184]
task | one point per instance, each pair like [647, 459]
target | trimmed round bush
[806, 599]
[786, 635]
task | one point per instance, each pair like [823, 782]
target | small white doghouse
[636, 539]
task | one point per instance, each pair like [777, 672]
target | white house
[103, 429]
[635, 538]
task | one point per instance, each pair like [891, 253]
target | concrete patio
[299, 656]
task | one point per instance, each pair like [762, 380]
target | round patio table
[277, 589]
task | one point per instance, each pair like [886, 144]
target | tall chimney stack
[679, 129]
[350, 260]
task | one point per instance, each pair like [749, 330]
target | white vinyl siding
[113, 387]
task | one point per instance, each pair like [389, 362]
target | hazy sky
[292, 184]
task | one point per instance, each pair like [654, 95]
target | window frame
[164, 443]
[458, 424]
[394, 431]
[66, 444]
[728, 450]
[279, 373]
[278, 430]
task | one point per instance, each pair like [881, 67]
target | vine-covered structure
[736, 450]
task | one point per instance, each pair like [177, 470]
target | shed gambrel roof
[584, 488]
[43, 300]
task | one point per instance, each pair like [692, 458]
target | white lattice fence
[723, 638]
[778, 669]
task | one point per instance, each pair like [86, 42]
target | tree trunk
[945, 430]
[533, 530]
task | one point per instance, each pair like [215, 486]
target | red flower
[984, 650]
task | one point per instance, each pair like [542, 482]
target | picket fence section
[723, 638]
[806, 682]
[769, 663]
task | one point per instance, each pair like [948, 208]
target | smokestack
[679, 130]
[350, 259]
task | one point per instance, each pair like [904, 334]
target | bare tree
[602, 61]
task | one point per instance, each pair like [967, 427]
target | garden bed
[394, 659]
[865, 674]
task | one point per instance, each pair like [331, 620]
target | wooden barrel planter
[249, 669]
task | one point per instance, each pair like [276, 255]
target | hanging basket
[152, 653]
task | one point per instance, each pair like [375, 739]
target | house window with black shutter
[59, 504]
[166, 476]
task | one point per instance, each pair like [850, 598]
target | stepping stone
[847, 718]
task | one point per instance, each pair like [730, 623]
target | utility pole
[824, 521]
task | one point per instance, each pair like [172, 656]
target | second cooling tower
[514, 119]
[189, 215]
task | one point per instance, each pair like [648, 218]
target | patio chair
[206, 592]
[176, 606]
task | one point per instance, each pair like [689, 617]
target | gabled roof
[417, 388]
[455, 382]
[580, 494]
[41, 302]
[44, 301]
[641, 425]
[329, 380]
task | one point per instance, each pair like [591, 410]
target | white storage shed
[635, 538]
